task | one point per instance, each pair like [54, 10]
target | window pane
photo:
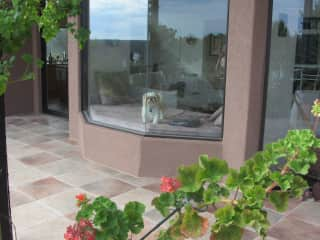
[294, 71]
[56, 76]
[158, 67]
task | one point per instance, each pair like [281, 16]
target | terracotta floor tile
[139, 194]
[273, 216]
[294, 229]
[108, 187]
[15, 165]
[39, 159]
[53, 145]
[64, 202]
[61, 167]
[22, 151]
[31, 214]
[44, 187]
[104, 169]
[34, 139]
[308, 211]
[155, 187]
[18, 178]
[81, 177]
[154, 215]
[71, 216]
[50, 230]
[138, 181]
[19, 198]
[249, 235]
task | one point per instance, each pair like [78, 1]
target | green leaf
[189, 178]
[213, 193]
[231, 232]
[279, 200]
[28, 58]
[3, 84]
[299, 166]
[255, 196]
[212, 169]
[284, 181]
[299, 185]
[134, 212]
[193, 226]
[233, 179]
[164, 202]
[225, 215]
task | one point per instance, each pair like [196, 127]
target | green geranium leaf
[164, 202]
[233, 179]
[193, 225]
[231, 232]
[299, 185]
[134, 212]
[225, 215]
[189, 178]
[212, 169]
[284, 181]
[279, 200]
[213, 193]
[255, 196]
[299, 166]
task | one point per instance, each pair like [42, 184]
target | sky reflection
[127, 19]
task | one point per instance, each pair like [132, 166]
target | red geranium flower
[81, 198]
[83, 230]
[169, 184]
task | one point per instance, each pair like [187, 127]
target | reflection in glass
[57, 73]
[294, 70]
[158, 67]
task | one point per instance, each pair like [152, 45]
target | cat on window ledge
[152, 107]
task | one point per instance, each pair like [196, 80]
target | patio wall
[147, 156]
[23, 97]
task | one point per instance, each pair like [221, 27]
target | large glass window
[157, 67]
[294, 69]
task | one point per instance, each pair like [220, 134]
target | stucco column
[74, 86]
[247, 44]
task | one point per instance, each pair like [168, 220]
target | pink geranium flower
[83, 230]
[169, 184]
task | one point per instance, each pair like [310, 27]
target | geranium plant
[100, 219]
[236, 197]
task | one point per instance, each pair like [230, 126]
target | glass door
[55, 74]
[294, 67]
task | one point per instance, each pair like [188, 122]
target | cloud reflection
[128, 19]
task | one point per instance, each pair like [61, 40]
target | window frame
[84, 105]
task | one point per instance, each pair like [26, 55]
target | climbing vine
[18, 17]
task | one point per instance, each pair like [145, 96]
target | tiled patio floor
[46, 171]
